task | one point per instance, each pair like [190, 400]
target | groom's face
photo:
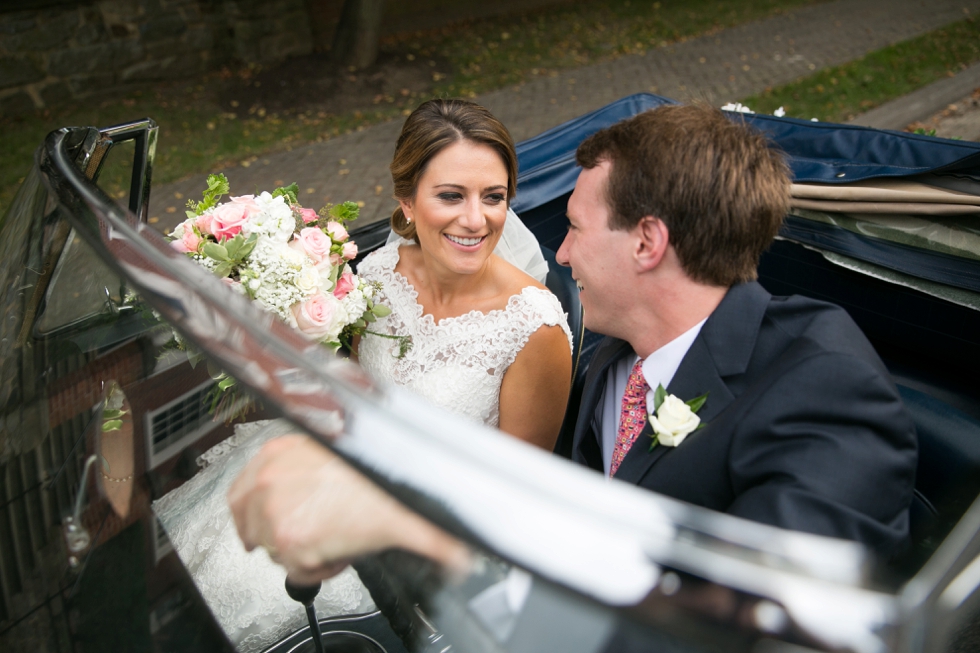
[599, 256]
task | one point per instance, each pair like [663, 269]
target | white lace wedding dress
[244, 590]
[458, 363]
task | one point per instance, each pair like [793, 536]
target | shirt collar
[660, 366]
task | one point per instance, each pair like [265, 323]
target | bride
[489, 341]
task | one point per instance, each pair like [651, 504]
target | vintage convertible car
[883, 224]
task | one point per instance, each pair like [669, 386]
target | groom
[801, 427]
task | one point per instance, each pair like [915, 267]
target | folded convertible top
[836, 168]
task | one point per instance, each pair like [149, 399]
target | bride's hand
[314, 513]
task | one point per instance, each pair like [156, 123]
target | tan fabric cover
[884, 196]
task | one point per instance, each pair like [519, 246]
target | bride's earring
[408, 220]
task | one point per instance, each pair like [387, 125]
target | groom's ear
[652, 241]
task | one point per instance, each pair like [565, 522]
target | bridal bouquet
[290, 260]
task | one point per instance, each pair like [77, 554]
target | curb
[920, 104]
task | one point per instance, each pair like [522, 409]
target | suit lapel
[585, 445]
[721, 350]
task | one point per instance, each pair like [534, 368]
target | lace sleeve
[383, 258]
[537, 308]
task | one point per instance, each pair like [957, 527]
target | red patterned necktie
[632, 417]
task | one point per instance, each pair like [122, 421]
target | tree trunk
[323, 15]
[356, 41]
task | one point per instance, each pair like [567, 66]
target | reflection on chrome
[77, 537]
[115, 446]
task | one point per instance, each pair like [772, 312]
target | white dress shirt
[658, 368]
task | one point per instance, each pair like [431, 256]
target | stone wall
[51, 52]
[54, 50]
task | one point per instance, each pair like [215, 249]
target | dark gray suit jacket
[804, 428]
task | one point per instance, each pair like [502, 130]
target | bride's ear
[407, 209]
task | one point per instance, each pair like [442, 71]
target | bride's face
[460, 206]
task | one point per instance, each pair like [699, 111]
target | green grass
[197, 136]
[840, 93]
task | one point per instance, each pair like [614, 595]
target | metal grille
[179, 423]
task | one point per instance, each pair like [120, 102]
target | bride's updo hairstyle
[432, 127]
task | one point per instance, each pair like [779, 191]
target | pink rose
[228, 219]
[336, 259]
[337, 231]
[345, 284]
[350, 251]
[188, 241]
[191, 240]
[309, 215]
[316, 316]
[312, 242]
[203, 224]
[247, 202]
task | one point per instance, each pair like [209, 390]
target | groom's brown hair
[720, 186]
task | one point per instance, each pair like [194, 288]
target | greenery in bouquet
[290, 260]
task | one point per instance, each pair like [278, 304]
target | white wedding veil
[517, 246]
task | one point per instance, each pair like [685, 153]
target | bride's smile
[466, 243]
[460, 206]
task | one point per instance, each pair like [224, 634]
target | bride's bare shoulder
[513, 279]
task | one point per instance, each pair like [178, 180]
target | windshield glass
[119, 459]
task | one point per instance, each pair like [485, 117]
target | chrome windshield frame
[532, 509]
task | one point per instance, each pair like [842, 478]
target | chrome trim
[144, 132]
[544, 514]
[327, 634]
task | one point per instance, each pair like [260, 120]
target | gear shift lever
[305, 594]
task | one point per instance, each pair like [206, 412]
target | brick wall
[53, 51]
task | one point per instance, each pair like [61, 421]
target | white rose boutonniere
[673, 419]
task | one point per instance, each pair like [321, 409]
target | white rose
[673, 422]
[308, 280]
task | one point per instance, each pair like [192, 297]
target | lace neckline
[426, 319]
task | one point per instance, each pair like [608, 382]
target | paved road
[720, 67]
